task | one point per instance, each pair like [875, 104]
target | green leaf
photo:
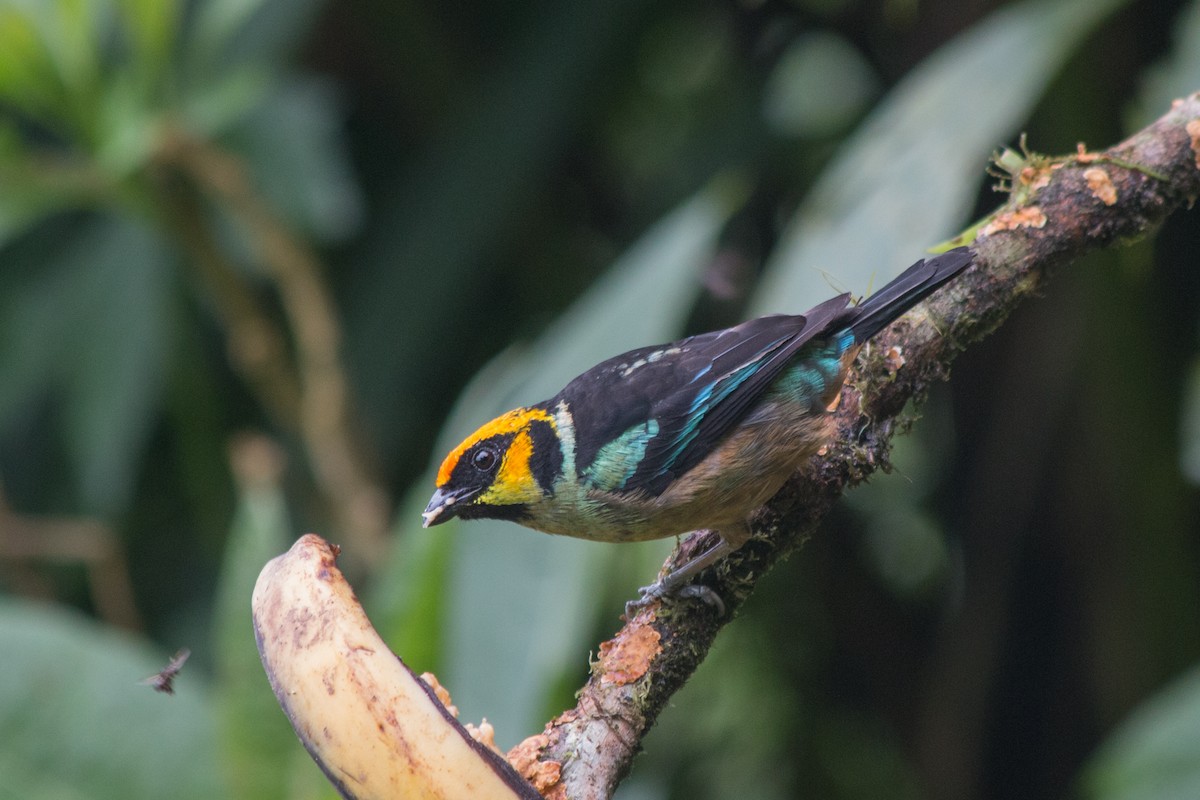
[293, 142]
[520, 605]
[213, 107]
[467, 194]
[819, 86]
[1155, 753]
[153, 26]
[27, 77]
[218, 21]
[86, 317]
[76, 723]
[73, 30]
[33, 187]
[231, 34]
[910, 174]
[260, 751]
[407, 604]
[128, 128]
[57, 50]
[1177, 76]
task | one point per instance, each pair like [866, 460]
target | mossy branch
[1059, 209]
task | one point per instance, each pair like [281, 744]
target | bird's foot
[659, 590]
[646, 596]
[676, 581]
[709, 596]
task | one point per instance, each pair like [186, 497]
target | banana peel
[376, 729]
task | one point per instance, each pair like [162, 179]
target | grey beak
[442, 508]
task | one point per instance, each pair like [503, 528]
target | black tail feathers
[909, 288]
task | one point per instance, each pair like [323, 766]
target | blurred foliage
[1153, 754]
[491, 197]
[78, 724]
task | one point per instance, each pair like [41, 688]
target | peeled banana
[376, 729]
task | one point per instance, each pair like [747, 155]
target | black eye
[484, 459]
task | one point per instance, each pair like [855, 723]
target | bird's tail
[909, 288]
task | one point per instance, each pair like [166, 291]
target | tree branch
[308, 393]
[1059, 209]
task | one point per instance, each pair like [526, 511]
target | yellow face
[498, 470]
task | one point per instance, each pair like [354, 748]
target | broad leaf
[84, 322]
[1155, 753]
[1177, 76]
[259, 749]
[74, 683]
[909, 176]
[293, 144]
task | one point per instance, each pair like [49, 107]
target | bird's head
[499, 471]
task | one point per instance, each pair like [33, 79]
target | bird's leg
[673, 582]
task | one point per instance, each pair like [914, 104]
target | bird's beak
[442, 506]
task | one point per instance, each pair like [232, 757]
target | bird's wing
[652, 414]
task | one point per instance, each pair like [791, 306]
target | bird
[690, 435]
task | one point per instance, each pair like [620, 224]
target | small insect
[163, 681]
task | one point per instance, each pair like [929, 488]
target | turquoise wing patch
[616, 462]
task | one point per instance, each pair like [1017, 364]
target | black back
[697, 389]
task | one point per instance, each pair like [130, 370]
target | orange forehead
[515, 420]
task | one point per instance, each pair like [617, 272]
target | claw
[673, 583]
[647, 595]
[657, 591]
[709, 596]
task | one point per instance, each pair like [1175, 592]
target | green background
[499, 195]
